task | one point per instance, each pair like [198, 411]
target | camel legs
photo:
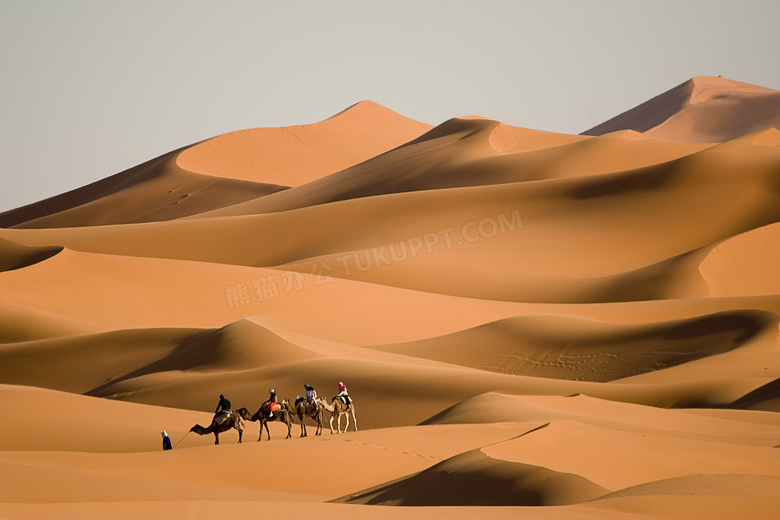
[316, 417]
[346, 413]
[354, 419]
[337, 415]
[260, 437]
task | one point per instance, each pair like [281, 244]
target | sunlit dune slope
[745, 264]
[295, 155]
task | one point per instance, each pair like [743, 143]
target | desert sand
[531, 324]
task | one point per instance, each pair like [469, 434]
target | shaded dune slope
[766, 397]
[17, 256]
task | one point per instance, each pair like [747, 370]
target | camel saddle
[271, 406]
[222, 417]
[309, 403]
[344, 399]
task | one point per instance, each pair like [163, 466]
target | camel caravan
[311, 406]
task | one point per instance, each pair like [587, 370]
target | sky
[91, 88]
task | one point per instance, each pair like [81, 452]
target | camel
[305, 408]
[284, 414]
[339, 408]
[216, 427]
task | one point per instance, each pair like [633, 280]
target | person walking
[166, 441]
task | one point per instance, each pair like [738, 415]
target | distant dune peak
[705, 88]
[366, 107]
[295, 155]
[702, 109]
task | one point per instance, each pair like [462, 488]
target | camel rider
[272, 402]
[223, 407]
[311, 394]
[343, 393]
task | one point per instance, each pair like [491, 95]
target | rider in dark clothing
[223, 406]
[272, 400]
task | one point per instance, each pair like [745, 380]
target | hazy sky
[91, 88]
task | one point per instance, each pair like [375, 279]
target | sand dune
[17, 256]
[462, 152]
[22, 323]
[224, 170]
[156, 190]
[462, 230]
[561, 347]
[295, 155]
[704, 109]
[455, 483]
[566, 326]
[745, 263]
